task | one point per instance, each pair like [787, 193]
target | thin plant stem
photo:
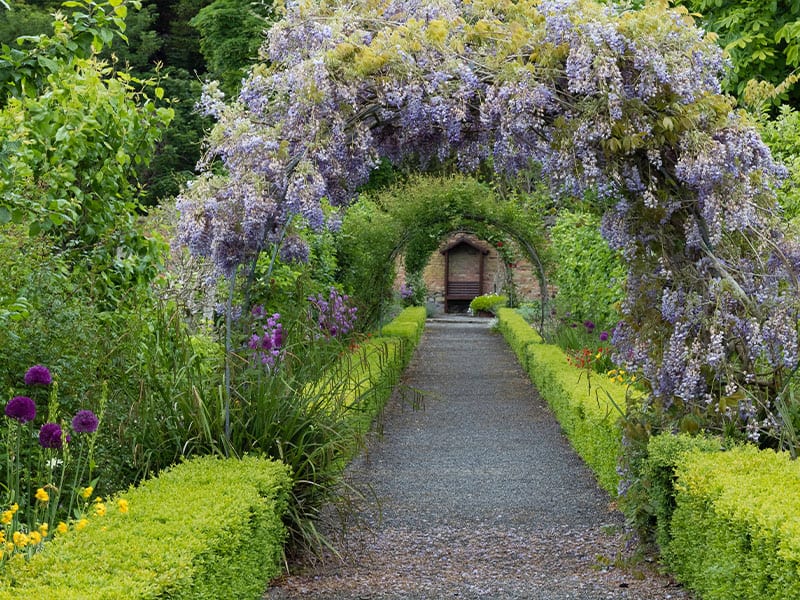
[228, 353]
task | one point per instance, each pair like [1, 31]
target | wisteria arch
[623, 103]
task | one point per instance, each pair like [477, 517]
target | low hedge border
[205, 529]
[735, 530]
[587, 411]
[408, 324]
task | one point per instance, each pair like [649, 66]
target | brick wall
[464, 267]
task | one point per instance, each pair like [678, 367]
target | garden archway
[623, 103]
[412, 219]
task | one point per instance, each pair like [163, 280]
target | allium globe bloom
[21, 408]
[38, 375]
[603, 336]
[51, 436]
[85, 421]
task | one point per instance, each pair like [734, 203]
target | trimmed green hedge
[408, 324]
[665, 453]
[588, 414]
[205, 529]
[736, 528]
[518, 333]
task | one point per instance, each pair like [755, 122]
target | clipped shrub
[205, 529]
[488, 303]
[518, 333]
[408, 324]
[735, 531]
[651, 501]
[587, 409]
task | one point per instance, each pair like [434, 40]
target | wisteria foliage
[625, 103]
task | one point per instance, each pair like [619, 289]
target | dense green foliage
[68, 174]
[231, 34]
[735, 531]
[206, 529]
[589, 275]
[760, 37]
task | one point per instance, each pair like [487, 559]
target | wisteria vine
[626, 103]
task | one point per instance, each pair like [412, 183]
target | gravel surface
[475, 494]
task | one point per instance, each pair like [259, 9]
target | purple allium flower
[21, 408]
[603, 336]
[85, 421]
[51, 436]
[38, 375]
[589, 325]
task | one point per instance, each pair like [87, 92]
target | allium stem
[228, 352]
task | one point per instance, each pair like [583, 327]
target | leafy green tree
[762, 38]
[231, 33]
[73, 133]
[22, 19]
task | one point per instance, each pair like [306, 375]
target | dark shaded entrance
[464, 266]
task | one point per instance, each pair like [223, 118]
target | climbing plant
[626, 103]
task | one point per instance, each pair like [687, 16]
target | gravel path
[479, 494]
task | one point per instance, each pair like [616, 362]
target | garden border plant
[205, 529]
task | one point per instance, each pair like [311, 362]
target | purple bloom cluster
[85, 421]
[21, 408]
[51, 436]
[266, 342]
[332, 315]
[38, 375]
[294, 250]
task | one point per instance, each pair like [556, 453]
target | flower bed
[207, 528]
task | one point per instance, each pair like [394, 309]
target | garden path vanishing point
[480, 494]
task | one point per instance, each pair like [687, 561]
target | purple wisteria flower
[38, 375]
[21, 408]
[51, 436]
[85, 421]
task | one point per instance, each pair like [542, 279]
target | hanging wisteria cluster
[625, 103]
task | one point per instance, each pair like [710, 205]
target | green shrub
[588, 414]
[205, 529]
[650, 502]
[735, 529]
[488, 303]
[518, 333]
[408, 324]
[589, 275]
